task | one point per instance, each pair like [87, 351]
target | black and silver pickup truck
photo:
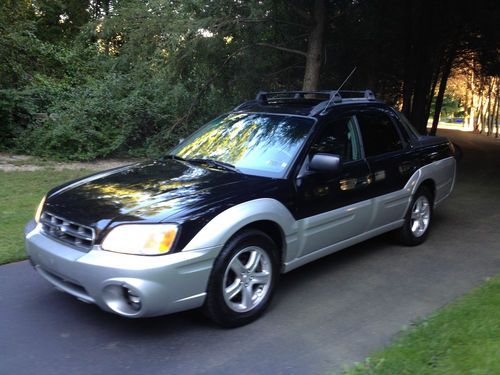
[278, 182]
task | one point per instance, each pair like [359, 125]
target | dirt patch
[13, 163]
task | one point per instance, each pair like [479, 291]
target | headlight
[140, 239]
[38, 212]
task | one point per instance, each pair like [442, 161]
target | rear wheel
[243, 280]
[418, 219]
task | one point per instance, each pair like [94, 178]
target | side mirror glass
[325, 163]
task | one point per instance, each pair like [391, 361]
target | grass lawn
[20, 193]
[462, 338]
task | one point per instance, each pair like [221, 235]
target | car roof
[308, 103]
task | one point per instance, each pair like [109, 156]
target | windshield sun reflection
[261, 144]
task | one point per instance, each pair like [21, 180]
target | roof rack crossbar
[332, 96]
[366, 94]
[322, 107]
[263, 96]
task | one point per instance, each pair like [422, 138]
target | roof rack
[349, 95]
[264, 97]
[326, 99]
[366, 94]
[332, 96]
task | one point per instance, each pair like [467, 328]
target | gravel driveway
[12, 163]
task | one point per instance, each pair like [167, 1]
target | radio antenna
[334, 93]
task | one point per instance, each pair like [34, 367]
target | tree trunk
[472, 113]
[435, 80]
[409, 59]
[496, 108]
[497, 117]
[491, 108]
[315, 47]
[425, 65]
[479, 123]
[479, 107]
[467, 107]
[442, 88]
[419, 116]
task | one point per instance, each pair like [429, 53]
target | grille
[67, 231]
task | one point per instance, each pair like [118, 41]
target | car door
[332, 207]
[391, 163]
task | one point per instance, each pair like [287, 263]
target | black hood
[153, 192]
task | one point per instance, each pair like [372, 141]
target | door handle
[355, 182]
[365, 180]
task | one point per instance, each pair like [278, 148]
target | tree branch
[255, 20]
[293, 66]
[296, 51]
[201, 93]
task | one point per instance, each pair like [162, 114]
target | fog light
[133, 300]
[122, 299]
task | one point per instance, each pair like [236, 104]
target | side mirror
[325, 163]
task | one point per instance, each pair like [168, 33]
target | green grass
[20, 193]
[462, 338]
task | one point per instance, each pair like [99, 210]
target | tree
[315, 46]
[60, 21]
[92, 78]
[314, 18]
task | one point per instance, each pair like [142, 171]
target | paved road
[325, 316]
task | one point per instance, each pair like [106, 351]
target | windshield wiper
[172, 156]
[207, 161]
[214, 163]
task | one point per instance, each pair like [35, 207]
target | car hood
[151, 192]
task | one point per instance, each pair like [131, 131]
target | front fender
[222, 227]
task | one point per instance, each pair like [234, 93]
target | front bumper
[129, 285]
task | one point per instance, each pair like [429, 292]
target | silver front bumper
[162, 284]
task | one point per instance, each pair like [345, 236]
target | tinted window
[379, 133]
[260, 144]
[408, 126]
[341, 138]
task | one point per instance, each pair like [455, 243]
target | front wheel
[418, 219]
[243, 280]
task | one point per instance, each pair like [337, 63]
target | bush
[119, 115]
[130, 85]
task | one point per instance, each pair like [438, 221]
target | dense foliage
[96, 78]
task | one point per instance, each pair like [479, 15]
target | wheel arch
[430, 185]
[438, 177]
[271, 229]
[265, 214]
[225, 300]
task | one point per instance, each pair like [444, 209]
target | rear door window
[379, 133]
[414, 134]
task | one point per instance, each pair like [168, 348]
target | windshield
[254, 143]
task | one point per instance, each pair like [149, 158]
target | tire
[243, 280]
[418, 219]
